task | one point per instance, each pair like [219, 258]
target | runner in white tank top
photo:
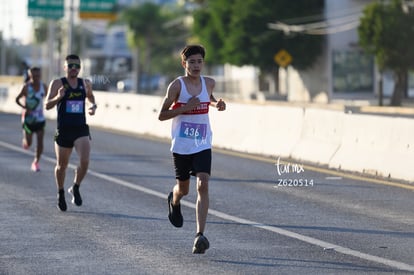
[33, 119]
[191, 131]
[33, 113]
[187, 104]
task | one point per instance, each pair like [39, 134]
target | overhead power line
[327, 26]
[333, 23]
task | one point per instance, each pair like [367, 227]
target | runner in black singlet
[69, 95]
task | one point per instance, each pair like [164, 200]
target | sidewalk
[369, 104]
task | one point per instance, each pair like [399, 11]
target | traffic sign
[283, 58]
[49, 9]
[94, 9]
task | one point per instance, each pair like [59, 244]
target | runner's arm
[45, 89]
[23, 93]
[219, 104]
[90, 96]
[173, 91]
[55, 93]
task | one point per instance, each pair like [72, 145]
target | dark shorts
[189, 165]
[34, 127]
[65, 137]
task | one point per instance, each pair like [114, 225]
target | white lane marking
[222, 215]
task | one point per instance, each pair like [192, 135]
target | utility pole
[51, 46]
[70, 31]
[381, 88]
[2, 54]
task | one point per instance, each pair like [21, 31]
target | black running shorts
[189, 165]
[66, 136]
[34, 127]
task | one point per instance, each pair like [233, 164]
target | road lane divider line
[274, 229]
[310, 240]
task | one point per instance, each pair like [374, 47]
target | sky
[14, 22]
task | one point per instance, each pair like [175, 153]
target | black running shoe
[76, 197]
[201, 244]
[174, 212]
[61, 201]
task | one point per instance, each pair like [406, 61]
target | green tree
[40, 30]
[386, 31]
[41, 33]
[155, 33]
[238, 32]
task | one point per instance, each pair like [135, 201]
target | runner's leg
[83, 149]
[62, 161]
[27, 139]
[39, 147]
[181, 189]
[202, 203]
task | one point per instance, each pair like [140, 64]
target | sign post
[283, 59]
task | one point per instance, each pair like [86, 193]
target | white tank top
[191, 131]
[34, 102]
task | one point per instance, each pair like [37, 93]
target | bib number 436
[193, 130]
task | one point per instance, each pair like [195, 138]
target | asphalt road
[266, 217]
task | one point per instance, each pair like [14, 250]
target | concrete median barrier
[398, 162]
[365, 144]
[260, 129]
[8, 95]
[377, 145]
[129, 112]
[320, 137]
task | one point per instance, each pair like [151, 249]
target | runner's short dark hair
[34, 69]
[72, 57]
[191, 50]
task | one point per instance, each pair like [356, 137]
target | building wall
[350, 70]
[309, 85]
[335, 72]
